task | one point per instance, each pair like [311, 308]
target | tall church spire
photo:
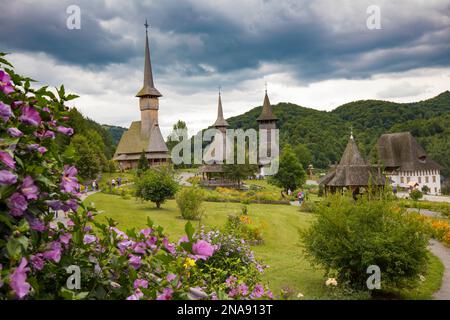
[266, 113]
[220, 122]
[148, 88]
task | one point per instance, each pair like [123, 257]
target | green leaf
[189, 229]
[14, 248]
[70, 97]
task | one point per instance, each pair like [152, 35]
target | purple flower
[169, 246]
[65, 130]
[17, 204]
[183, 239]
[146, 232]
[5, 112]
[7, 177]
[140, 247]
[37, 225]
[30, 116]
[135, 261]
[54, 253]
[7, 160]
[88, 238]
[202, 249]
[42, 150]
[37, 147]
[18, 280]
[231, 280]
[140, 283]
[54, 204]
[38, 261]
[269, 294]
[29, 189]
[124, 245]
[49, 134]
[5, 83]
[72, 204]
[16, 104]
[136, 296]
[65, 238]
[258, 291]
[166, 294]
[170, 277]
[69, 181]
[14, 132]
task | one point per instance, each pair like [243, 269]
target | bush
[156, 185]
[350, 236]
[189, 201]
[415, 195]
[242, 227]
[425, 189]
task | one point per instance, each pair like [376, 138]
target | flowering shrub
[38, 253]
[189, 201]
[242, 227]
[232, 257]
[440, 229]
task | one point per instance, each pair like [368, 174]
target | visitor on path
[94, 185]
[289, 192]
[300, 197]
[113, 183]
[119, 181]
[394, 190]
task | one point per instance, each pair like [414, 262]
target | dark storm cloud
[233, 36]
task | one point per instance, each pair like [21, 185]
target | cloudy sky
[317, 54]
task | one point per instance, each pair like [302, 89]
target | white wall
[423, 178]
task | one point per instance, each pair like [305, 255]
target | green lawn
[281, 250]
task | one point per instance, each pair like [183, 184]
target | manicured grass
[281, 250]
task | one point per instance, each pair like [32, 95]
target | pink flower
[169, 246]
[136, 296]
[64, 130]
[166, 294]
[65, 238]
[5, 83]
[54, 253]
[17, 204]
[5, 112]
[88, 238]
[243, 289]
[7, 160]
[183, 239]
[202, 249]
[258, 291]
[69, 181]
[230, 281]
[7, 177]
[30, 116]
[135, 261]
[140, 283]
[38, 261]
[29, 189]
[140, 247]
[146, 232]
[14, 132]
[170, 277]
[18, 280]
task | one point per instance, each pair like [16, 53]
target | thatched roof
[353, 170]
[220, 121]
[133, 143]
[401, 151]
[266, 112]
[148, 88]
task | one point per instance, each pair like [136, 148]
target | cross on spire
[220, 89]
[351, 132]
[146, 25]
[265, 86]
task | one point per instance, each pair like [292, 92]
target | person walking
[113, 183]
[300, 197]
[119, 181]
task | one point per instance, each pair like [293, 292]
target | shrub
[349, 236]
[425, 189]
[242, 227]
[189, 201]
[415, 195]
[156, 185]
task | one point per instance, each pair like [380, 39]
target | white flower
[300, 295]
[421, 277]
[331, 282]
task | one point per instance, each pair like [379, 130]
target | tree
[143, 162]
[290, 173]
[179, 130]
[239, 172]
[303, 155]
[87, 158]
[156, 185]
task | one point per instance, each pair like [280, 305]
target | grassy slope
[281, 251]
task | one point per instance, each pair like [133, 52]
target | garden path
[443, 253]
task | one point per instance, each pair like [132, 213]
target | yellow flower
[189, 263]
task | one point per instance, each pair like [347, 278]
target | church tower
[144, 136]
[148, 95]
[266, 121]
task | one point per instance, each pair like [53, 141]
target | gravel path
[443, 253]
[183, 177]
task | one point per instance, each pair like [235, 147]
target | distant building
[266, 121]
[145, 135]
[407, 164]
[352, 173]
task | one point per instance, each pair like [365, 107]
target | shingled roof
[133, 143]
[148, 88]
[401, 151]
[353, 170]
[220, 121]
[266, 112]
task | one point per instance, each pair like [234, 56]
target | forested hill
[115, 132]
[325, 133]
